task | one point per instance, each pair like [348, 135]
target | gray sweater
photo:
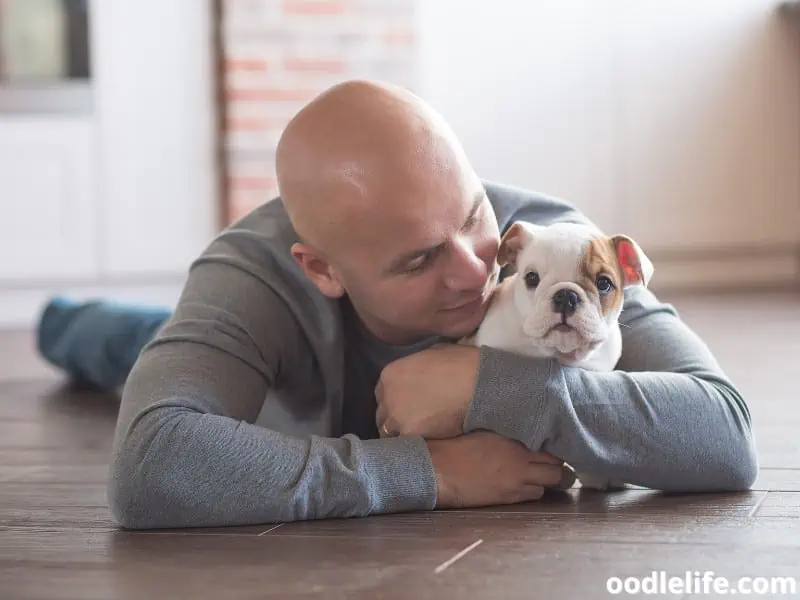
[254, 403]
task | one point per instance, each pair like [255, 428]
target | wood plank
[638, 501]
[21, 360]
[677, 528]
[59, 539]
[36, 400]
[784, 505]
[54, 507]
[45, 474]
[33, 495]
[46, 435]
[54, 457]
[360, 567]
[522, 570]
[130, 565]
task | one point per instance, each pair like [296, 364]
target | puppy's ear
[636, 267]
[511, 244]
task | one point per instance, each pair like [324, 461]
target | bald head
[351, 159]
[389, 211]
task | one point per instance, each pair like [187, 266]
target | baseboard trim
[730, 270]
[20, 307]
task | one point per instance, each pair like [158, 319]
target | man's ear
[512, 242]
[636, 267]
[318, 270]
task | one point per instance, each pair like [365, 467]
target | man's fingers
[531, 492]
[544, 475]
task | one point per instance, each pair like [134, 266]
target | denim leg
[96, 342]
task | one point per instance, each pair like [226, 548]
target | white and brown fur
[569, 257]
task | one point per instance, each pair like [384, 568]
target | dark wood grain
[135, 566]
[675, 527]
[58, 539]
[581, 570]
[69, 473]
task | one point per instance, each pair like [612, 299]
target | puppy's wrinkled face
[569, 284]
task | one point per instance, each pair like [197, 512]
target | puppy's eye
[531, 280]
[604, 285]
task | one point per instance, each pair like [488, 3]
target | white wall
[525, 85]
[676, 122]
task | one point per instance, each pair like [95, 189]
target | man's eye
[419, 264]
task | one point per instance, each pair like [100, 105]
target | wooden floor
[57, 539]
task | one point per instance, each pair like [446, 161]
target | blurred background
[131, 131]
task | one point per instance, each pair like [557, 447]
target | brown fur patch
[510, 245]
[601, 259]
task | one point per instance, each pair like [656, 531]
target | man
[337, 303]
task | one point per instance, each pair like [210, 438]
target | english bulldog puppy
[565, 297]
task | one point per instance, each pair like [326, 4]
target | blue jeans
[96, 343]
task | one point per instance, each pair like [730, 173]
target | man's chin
[466, 325]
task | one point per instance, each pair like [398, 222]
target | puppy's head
[569, 284]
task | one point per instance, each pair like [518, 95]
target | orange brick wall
[278, 54]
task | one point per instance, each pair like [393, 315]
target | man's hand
[483, 468]
[427, 393]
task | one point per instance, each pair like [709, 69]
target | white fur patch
[523, 319]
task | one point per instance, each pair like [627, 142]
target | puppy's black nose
[565, 302]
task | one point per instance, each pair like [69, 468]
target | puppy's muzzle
[565, 302]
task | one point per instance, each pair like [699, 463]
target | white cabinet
[154, 98]
[48, 205]
[117, 201]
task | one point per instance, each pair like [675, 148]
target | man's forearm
[188, 454]
[671, 421]
[180, 466]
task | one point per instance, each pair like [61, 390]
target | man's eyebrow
[398, 263]
[476, 204]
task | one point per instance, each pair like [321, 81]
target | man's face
[427, 266]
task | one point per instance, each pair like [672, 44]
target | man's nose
[467, 270]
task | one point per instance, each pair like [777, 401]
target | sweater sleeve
[668, 418]
[187, 451]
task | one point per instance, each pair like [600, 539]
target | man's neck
[375, 332]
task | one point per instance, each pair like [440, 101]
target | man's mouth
[474, 302]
